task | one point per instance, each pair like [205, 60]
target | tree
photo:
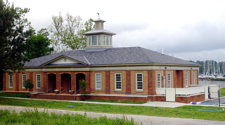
[28, 85]
[14, 30]
[67, 33]
[38, 45]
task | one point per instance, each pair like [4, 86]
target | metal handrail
[63, 91]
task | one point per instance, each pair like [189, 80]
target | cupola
[99, 37]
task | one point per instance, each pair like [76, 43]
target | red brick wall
[128, 82]
[107, 82]
[189, 99]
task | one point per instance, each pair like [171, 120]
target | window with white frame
[107, 40]
[193, 78]
[169, 80]
[118, 81]
[139, 81]
[10, 80]
[186, 79]
[94, 40]
[98, 81]
[38, 81]
[159, 80]
[24, 77]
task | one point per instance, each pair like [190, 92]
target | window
[38, 81]
[169, 80]
[24, 77]
[94, 40]
[107, 40]
[193, 78]
[118, 81]
[186, 79]
[98, 81]
[139, 81]
[159, 80]
[10, 80]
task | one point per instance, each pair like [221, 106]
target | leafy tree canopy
[14, 30]
[38, 45]
[67, 33]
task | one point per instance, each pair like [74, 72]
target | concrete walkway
[146, 120]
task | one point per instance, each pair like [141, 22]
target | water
[221, 84]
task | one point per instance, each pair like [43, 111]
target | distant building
[125, 73]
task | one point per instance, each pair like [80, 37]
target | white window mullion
[139, 81]
[38, 81]
[118, 81]
[169, 80]
[98, 81]
[10, 80]
[159, 80]
[24, 77]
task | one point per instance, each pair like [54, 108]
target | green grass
[45, 118]
[181, 112]
[15, 95]
[115, 101]
[222, 92]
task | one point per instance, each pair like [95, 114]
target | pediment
[63, 61]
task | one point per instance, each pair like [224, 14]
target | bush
[28, 84]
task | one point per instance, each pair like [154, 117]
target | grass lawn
[207, 113]
[222, 92]
[44, 118]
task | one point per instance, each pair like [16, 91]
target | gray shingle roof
[112, 56]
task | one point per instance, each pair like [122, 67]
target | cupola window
[107, 40]
[94, 40]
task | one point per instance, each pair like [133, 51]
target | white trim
[10, 80]
[186, 79]
[193, 78]
[128, 68]
[98, 87]
[38, 82]
[159, 80]
[142, 83]
[23, 80]
[115, 83]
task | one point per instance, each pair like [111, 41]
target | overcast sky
[188, 29]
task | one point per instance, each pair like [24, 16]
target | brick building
[126, 73]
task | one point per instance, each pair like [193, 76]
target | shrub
[28, 84]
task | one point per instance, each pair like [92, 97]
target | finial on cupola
[98, 15]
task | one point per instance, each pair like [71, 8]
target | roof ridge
[144, 53]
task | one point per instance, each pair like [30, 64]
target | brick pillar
[31, 76]
[107, 82]
[4, 82]
[174, 82]
[58, 81]
[45, 82]
[128, 81]
[151, 83]
[87, 78]
[17, 81]
[73, 81]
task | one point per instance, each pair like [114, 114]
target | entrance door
[78, 78]
[170, 94]
[51, 83]
[65, 83]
